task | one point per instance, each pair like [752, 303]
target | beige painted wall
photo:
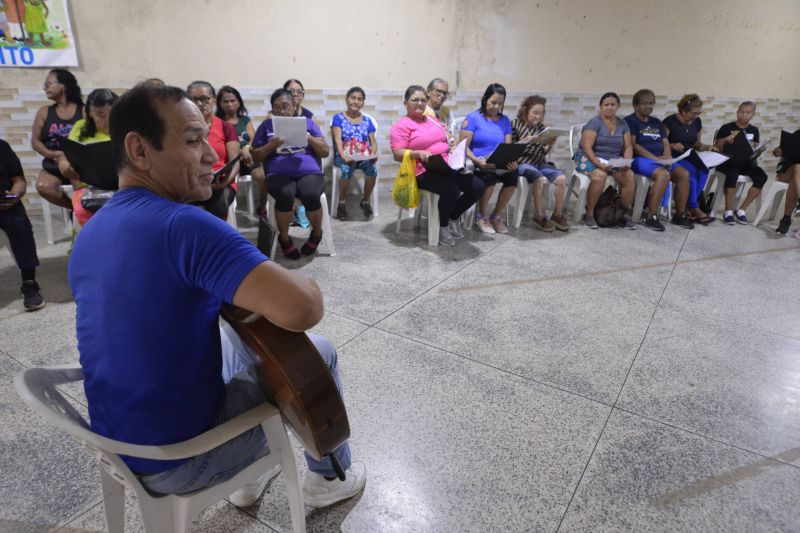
[737, 48]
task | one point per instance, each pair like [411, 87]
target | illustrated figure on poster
[15, 15]
[36, 13]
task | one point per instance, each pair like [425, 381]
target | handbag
[93, 199]
[405, 192]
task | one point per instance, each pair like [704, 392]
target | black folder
[505, 154]
[790, 146]
[94, 162]
[694, 159]
[438, 165]
[740, 149]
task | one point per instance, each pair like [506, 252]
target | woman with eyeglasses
[603, 138]
[231, 109]
[298, 94]
[424, 136]
[92, 129]
[650, 145]
[51, 123]
[223, 139]
[438, 91]
[685, 131]
[484, 129]
[292, 172]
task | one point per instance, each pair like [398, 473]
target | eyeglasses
[443, 94]
[200, 99]
[297, 92]
[418, 100]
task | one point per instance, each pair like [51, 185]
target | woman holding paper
[532, 164]
[92, 129]
[292, 171]
[355, 145]
[684, 132]
[733, 168]
[651, 148]
[223, 139]
[483, 130]
[604, 139]
[423, 137]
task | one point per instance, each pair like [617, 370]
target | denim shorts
[368, 167]
[533, 173]
[582, 164]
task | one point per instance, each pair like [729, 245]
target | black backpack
[609, 211]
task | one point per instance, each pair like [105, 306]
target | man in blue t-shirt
[149, 274]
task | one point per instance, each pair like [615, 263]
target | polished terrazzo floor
[592, 381]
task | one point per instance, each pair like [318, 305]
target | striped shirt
[534, 153]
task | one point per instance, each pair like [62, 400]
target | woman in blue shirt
[484, 129]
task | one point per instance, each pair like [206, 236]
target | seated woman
[685, 131]
[425, 136]
[650, 145]
[231, 109]
[298, 94]
[292, 172]
[484, 129]
[788, 172]
[534, 167]
[51, 123]
[605, 137]
[438, 91]
[733, 169]
[223, 139]
[354, 134]
[92, 129]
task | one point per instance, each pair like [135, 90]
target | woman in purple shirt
[292, 173]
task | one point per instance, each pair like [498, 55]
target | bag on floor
[405, 193]
[609, 211]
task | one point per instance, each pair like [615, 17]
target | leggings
[697, 182]
[448, 186]
[15, 223]
[285, 188]
[732, 172]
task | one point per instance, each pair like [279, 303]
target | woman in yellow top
[94, 128]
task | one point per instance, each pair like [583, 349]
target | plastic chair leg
[642, 186]
[523, 191]
[48, 221]
[279, 443]
[771, 201]
[327, 230]
[113, 502]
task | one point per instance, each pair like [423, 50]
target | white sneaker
[484, 225]
[319, 492]
[247, 495]
[446, 238]
[455, 229]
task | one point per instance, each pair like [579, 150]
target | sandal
[288, 248]
[311, 244]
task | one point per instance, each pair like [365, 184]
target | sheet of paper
[712, 159]
[548, 134]
[363, 157]
[459, 156]
[292, 130]
[760, 148]
[670, 162]
[617, 162]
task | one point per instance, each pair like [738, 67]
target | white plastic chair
[47, 216]
[432, 201]
[642, 188]
[170, 513]
[336, 175]
[579, 182]
[771, 201]
[327, 231]
[231, 219]
[523, 192]
[714, 174]
[246, 183]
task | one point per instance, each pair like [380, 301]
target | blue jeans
[242, 393]
[533, 173]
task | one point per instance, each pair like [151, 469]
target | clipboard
[94, 162]
[504, 154]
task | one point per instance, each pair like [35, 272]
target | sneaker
[288, 248]
[784, 225]
[484, 225]
[31, 298]
[311, 245]
[682, 221]
[498, 224]
[446, 237]
[560, 222]
[250, 493]
[319, 492]
[727, 217]
[341, 211]
[589, 222]
[542, 224]
[653, 223]
[627, 223]
[455, 229]
[741, 217]
[300, 215]
[367, 209]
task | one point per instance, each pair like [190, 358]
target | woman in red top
[223, 139]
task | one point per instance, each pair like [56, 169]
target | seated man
[149, 275]
[15, 222]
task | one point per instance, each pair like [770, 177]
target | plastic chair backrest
[455, 127]
[575, 128]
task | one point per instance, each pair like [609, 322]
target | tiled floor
[591, 381]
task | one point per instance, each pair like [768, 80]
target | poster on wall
[36, 33]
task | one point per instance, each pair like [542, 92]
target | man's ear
[137, 150]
